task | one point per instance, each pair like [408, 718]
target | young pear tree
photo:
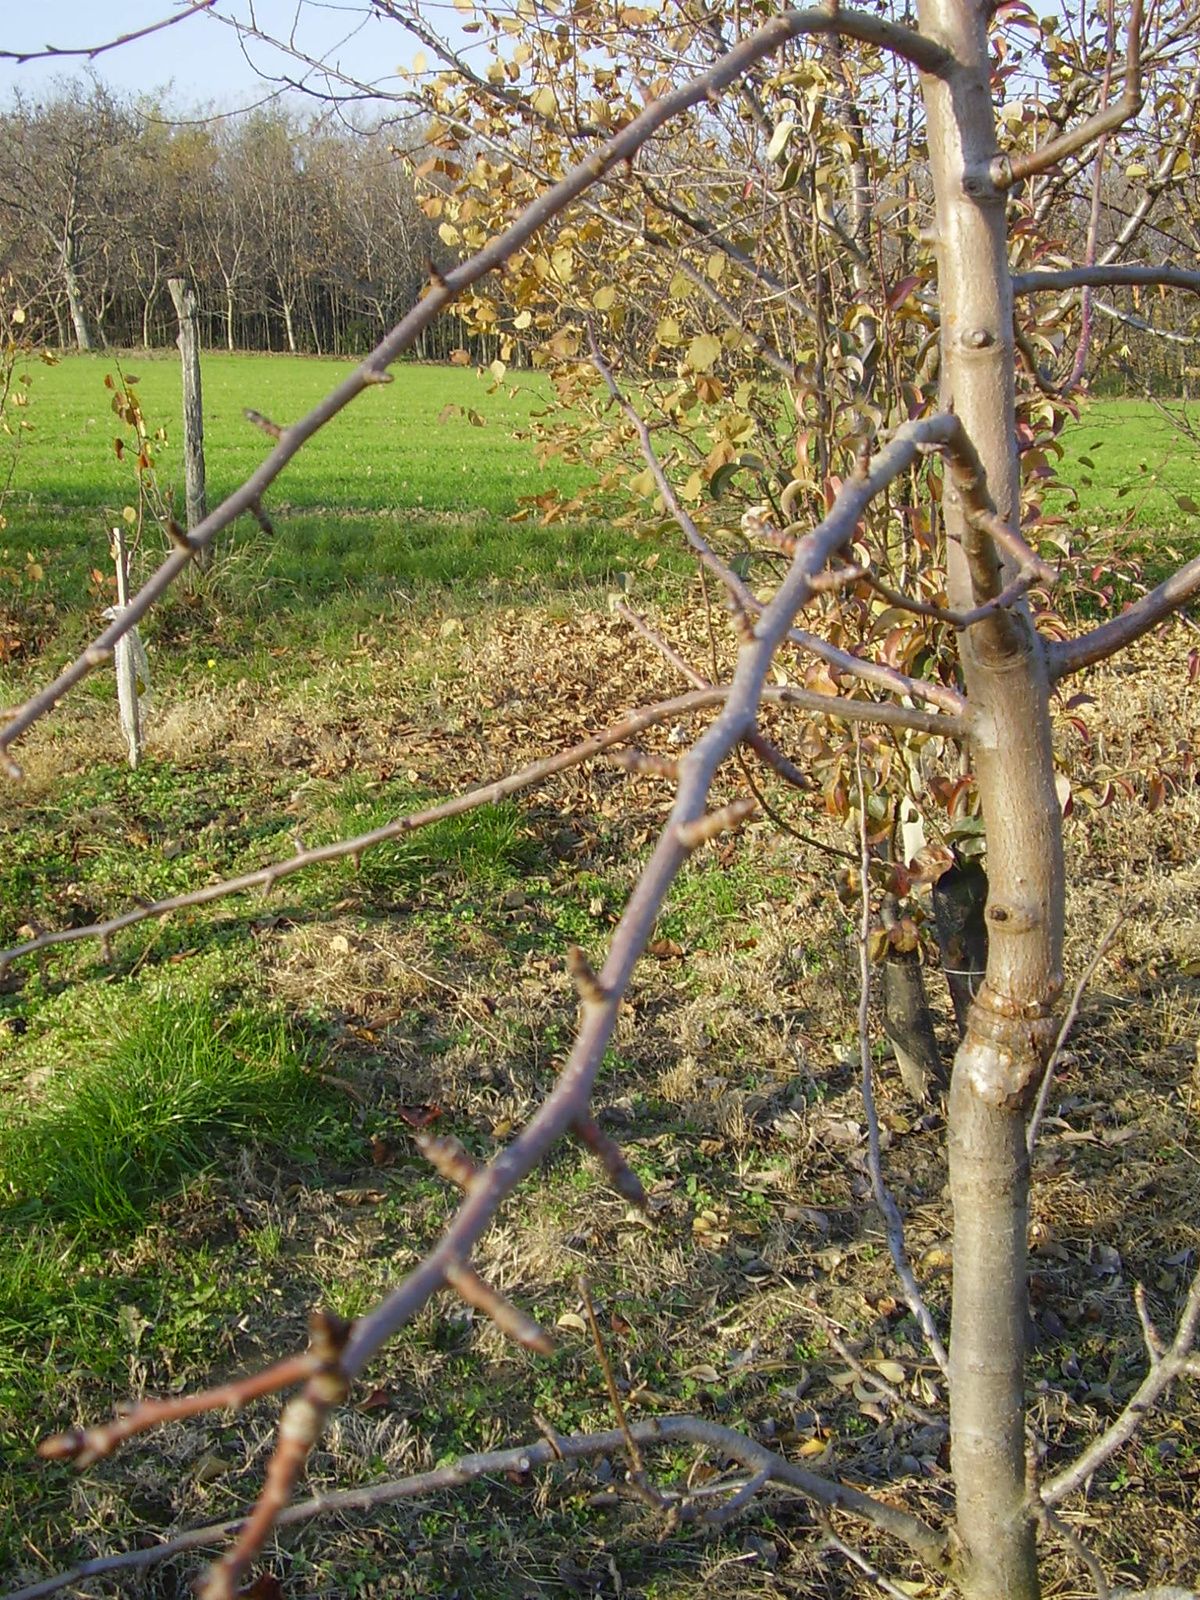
[791, 256]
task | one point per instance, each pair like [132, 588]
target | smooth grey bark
[83, 335]
[1010, 1025]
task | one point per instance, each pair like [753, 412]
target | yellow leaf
[465, 6]
[522, 319]
[703, 351]
[604, 297]
[419, 62]
[129, 514]
[447, 233]
[667, 332]
[715, 265]
[18, 315]
[544, 102]
[497, 370]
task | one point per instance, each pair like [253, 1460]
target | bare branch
[1064, 1033]
[1006, 170]
[54, 52]
[929, 1545]
[83, 1446]
[893, 1221]
[1174, 1363]
[487, 794]
[1071, 655]
[1055, 1524]
[1113, 276]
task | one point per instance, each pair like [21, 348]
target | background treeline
[300, 234]
[304, 233]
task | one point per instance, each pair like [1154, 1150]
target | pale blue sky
[200, 57]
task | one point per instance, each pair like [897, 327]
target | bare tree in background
[875, 438]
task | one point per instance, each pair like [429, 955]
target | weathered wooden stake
[126, 656]
[184, 298]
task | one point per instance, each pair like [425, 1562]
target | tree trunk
[83, 336]
[289, 330]
[1010, 1025]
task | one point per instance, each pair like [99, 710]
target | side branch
[925, 1542]
[1114, 276]
[1071, 655]
[1165, 1367]
[487, 794]
[55, 52]
[1006, 170]
[839, 706]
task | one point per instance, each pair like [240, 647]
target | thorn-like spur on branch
[300, 1426]
[1005, 170]
[89, 52]
[923, 52]
[1071, 655]
[179, 538]
[448, 1156]
[771, 756]
[520, 1328]
[893, 1221]
[83, 1446]
[611, 1157]
[267, 877]
[1113, 276]
[700, 830]
[666, 1432]
[645, 763]
[260, 516]
[263, 424]
[591, 991]
[1176, 1362]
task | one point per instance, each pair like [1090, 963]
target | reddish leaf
[420, 1116]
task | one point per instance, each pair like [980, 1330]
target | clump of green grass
[106, 1141]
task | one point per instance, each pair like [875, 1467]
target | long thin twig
[619, 733]
[1085, 977]
[893, 1221]
[918, 1536]
[55, 52]
[857, 1558]
[1056, 1525]
[1176, 1362]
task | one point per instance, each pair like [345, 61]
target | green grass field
[1136, 472]
[211, 1133]
[392, 503]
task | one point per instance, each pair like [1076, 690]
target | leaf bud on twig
[692, 835]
